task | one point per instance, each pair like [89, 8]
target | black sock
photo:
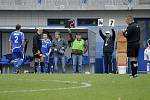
[134, 67]
[42, 66]
[35, 66]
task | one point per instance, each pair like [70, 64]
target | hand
[125, 33]
[63, 48]
[84, 51]
[55, 49]
[69, 30]
[47, 54]
[41, 55]
[61, 51]
[10, 50]
[38, 52]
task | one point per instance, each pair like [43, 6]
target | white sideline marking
[83, 85]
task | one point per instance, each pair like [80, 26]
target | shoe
[135, 76]
[130, 74]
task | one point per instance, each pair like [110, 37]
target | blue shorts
[17, 55]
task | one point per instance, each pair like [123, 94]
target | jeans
[62, 59]
[77, 63]
[108, 62]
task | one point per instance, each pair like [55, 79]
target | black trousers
[108, 62]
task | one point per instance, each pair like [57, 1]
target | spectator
[46, 51]
[108, 48]
[59, 45]
[79, 47]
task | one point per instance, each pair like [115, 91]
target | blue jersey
[46, 45]
[16, 39]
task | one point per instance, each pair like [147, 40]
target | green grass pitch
[74, 87]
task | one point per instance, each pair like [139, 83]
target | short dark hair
[48, 34]
[45, 33]
[18, 27]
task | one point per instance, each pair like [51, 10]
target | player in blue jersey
[16, 46]
[46, 51]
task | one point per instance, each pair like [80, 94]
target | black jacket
[110, 47]
[132, 33]
[37, 43]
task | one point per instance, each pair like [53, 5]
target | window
[56, 22]
[87, 22]
[144, 24]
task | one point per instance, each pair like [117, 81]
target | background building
[53, 14]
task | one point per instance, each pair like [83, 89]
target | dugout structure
[88, 35]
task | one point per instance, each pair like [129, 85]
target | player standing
[46, 51]
[147, 56]
[16, 44]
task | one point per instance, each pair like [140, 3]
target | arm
[85, 48]
[24, 43]
[64, 44]
[124, 33]
[71, 37]
[128, 31]
[101, 34]
[50, 47]
[35, 44]
[10, 44]
[23, 39]
[53, 45]
[50, 50]
[113, 35]
[136, 32]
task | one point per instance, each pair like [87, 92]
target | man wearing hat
[79, 47]
[108, 48]
[59, 45]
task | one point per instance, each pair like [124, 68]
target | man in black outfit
[132, 35]
[37, 44]
[108, 48]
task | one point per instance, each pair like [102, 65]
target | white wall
[39, 18]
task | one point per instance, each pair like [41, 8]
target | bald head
[40, 30]
[129, 19]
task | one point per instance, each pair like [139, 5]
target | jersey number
[16, 39]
